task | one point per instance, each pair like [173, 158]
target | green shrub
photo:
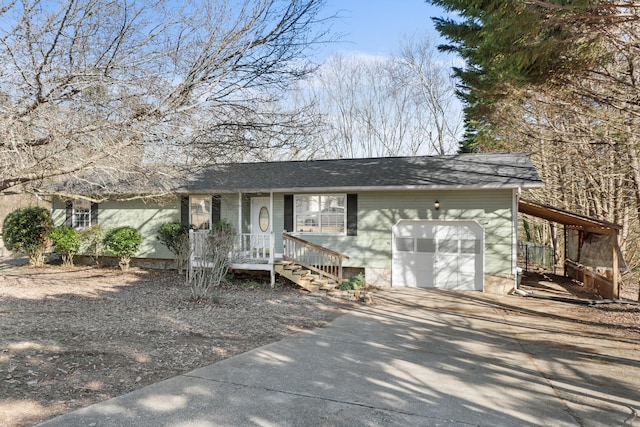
[355, 282]
[25, 231]
[123, 242]
[175, 237]
[91, 238]
[66, 242]
[171, 234]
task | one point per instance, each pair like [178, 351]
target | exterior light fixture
[436, 205]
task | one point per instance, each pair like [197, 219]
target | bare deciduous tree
[109, 87]
[386, 106]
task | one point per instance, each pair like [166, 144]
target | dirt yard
[74, 337]
[70, 338]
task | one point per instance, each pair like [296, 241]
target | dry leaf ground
[72, 337]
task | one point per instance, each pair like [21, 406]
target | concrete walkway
[428, 358]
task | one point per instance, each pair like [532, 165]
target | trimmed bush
[123, 242]
[357, 281]
[25, 231]
[175, 237]
[66, 242]
[91, 238]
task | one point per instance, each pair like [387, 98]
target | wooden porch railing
[325, 262]
[255, 246]
[248, 248]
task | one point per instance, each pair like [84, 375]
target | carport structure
[608, 288]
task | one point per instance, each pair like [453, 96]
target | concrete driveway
[424, 357]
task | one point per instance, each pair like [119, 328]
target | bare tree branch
[102, 87]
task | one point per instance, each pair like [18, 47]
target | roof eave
[366, 188]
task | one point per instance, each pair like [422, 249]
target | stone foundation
[499, 284]
[378, 276]
[112, 261]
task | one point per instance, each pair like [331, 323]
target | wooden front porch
[310, 266]
[306, 264]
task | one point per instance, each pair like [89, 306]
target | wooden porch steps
[304, 278]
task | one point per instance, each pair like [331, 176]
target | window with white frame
[320, 213]
[81, 214]
[200, 212]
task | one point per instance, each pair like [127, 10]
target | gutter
[352, 188]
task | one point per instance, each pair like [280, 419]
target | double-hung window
[81, 214]
[320, 213]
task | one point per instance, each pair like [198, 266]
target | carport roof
[569, 219]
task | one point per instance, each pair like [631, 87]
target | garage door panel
[425, 245]
[446, 270]
[404, 275]
[441, 254]
[404, 244]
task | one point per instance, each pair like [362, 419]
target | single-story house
[431, 221]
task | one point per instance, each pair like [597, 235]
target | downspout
[517, 290]
[514, 243]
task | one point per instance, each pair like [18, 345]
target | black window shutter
[184, 211]
[94, 213]
[352, 214]
[215, 209]
[288, 213]
[69, 213]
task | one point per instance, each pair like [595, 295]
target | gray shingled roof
[511, 170]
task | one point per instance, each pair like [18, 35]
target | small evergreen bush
[91, 238]
[66, 242]
[25, 231]
[175, 237]
[123, 242]
[355, 282]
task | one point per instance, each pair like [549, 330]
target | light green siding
[379, 211]
[146, 217]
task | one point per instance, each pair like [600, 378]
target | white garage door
[438, 254]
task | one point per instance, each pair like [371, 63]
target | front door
[260, 225]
